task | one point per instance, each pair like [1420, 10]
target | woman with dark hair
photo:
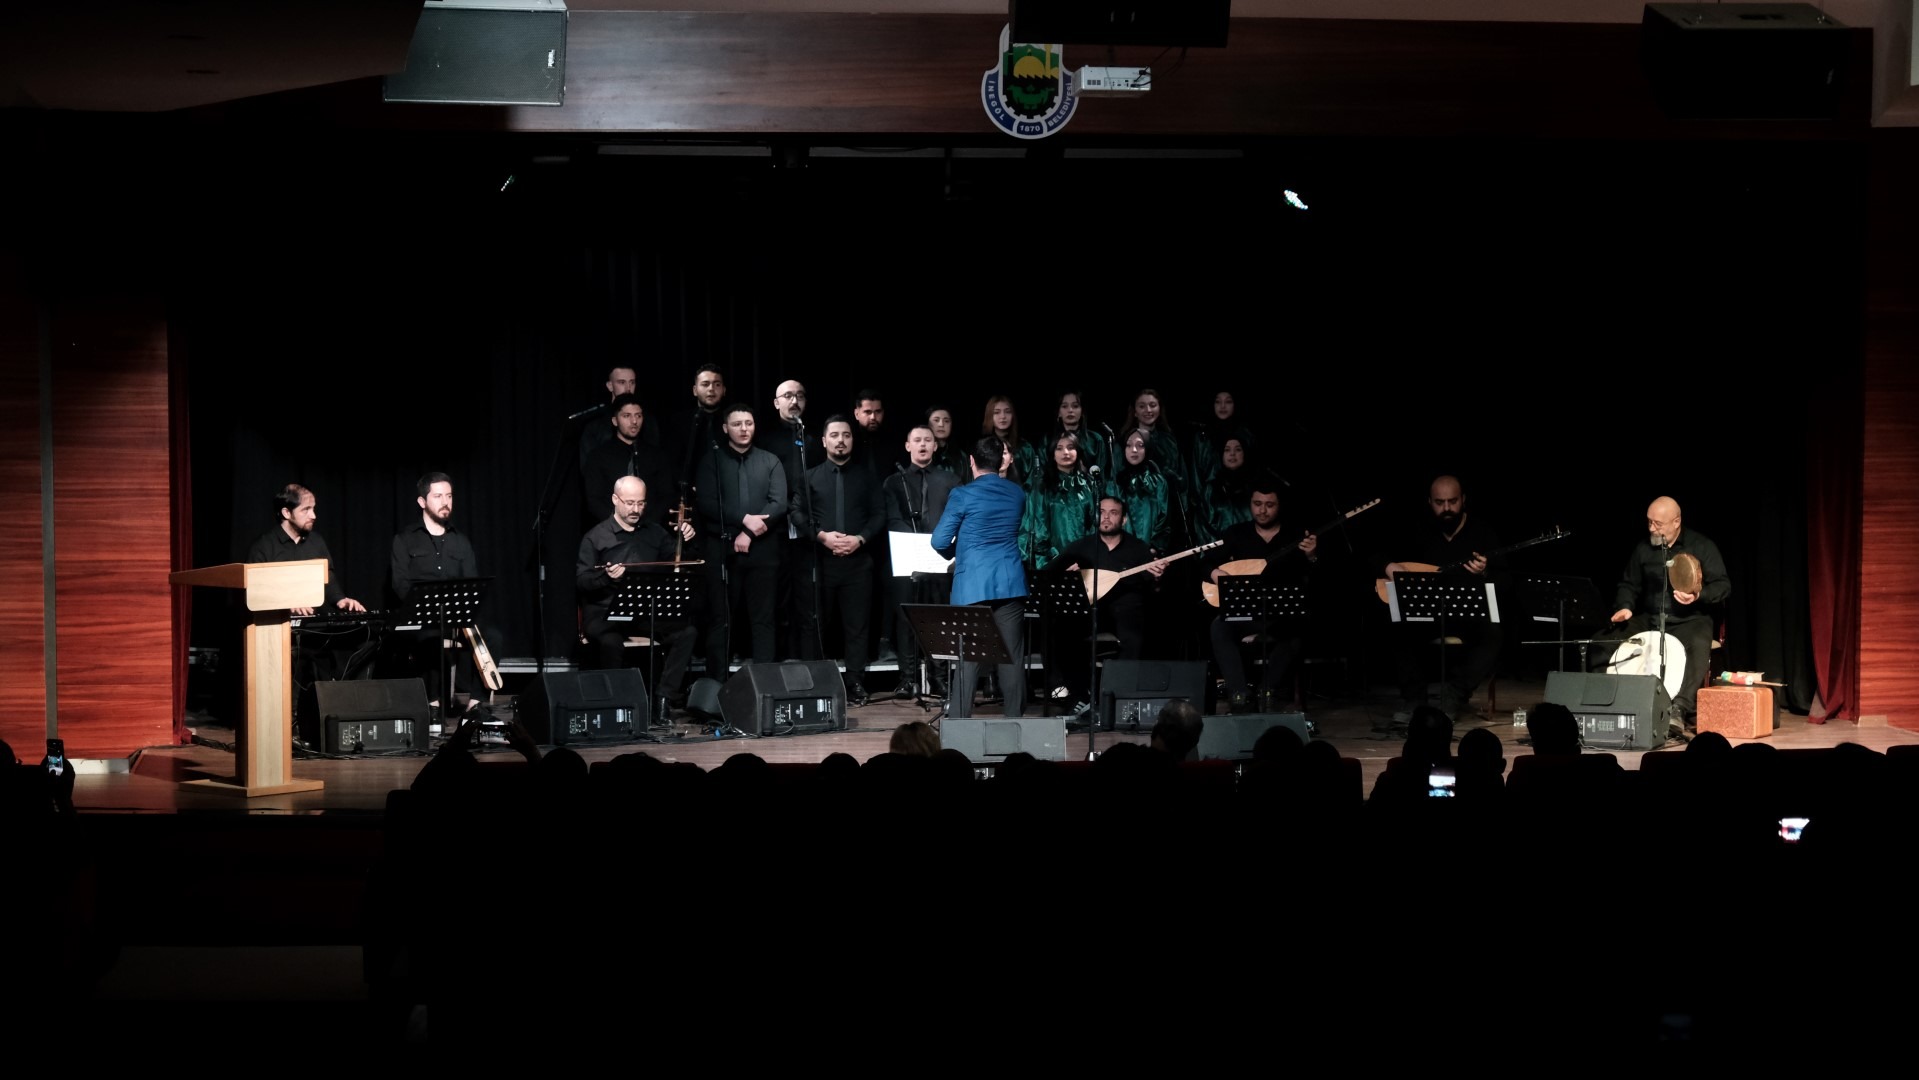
[1210, 438]
[939, 420]
[1062, 505]
[1162, 449]
[1072, 421]
[1002, 421]
[1147, 495]
[1226, 499]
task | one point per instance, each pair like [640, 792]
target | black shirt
[840, 498]
[1284, 560]
[1091, 553]
[1429, 544]
[916, 497]
[275, 545]
[420, 556]
[607, 542]
[1644, 586]
[616, 458]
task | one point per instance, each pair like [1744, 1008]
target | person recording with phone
[36, 792]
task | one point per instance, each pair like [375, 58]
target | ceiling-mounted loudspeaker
[1122, 22]
[485, 52]
[1745, 61]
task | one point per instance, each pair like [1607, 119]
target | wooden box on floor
[1737, 712]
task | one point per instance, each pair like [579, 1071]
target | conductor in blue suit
[980, 532]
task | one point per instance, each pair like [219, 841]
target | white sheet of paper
[913, 553]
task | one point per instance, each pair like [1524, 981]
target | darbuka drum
[1639, 655]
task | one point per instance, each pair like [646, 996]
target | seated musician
[606, 551]
[293, 539]
[1122, 608]
[431, 550]
[1449, 540]
[1263, 547]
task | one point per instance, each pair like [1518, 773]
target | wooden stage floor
[153, 782]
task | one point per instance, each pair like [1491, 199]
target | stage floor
[153, 782]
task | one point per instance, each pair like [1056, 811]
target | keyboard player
[293, 539]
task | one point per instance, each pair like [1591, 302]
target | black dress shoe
[855, 693]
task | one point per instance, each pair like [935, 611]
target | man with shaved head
[1458, 545]
[608, 554]
[1646, 591]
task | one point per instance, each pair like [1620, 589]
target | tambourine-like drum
[1639, 655]
[1684, 574]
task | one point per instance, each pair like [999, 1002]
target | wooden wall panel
[22, 612]
[114, 621]
[1889, 604]
[761, 74]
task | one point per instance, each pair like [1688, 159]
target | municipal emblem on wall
[1029, 94]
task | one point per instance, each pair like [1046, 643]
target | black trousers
[845, 589]
[738, 587]
[1416, 656]
[606, 648]
[1069, 652]
[1281, 648]
[1010, 617]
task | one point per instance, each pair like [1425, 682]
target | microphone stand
[813, 546]
[1665, 607]
[543, 512]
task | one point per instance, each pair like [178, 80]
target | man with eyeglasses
[605, 552]
[1647, 590]
[785, 437]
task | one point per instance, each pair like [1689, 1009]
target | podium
[264, 757]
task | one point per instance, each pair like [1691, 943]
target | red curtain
[1834, 479]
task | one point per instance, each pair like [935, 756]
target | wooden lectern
[264, 757]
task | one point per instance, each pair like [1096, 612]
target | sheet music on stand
[1420, 597]
[1249, 598]
[452, 602]
[956, 633]
[644, 597]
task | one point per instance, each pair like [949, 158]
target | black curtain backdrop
[1571, 328]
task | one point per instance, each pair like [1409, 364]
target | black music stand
[446, 604]
[1435, 598]
[1063, 595]
[1574, 601]
[957, 633]
[1251, 598]
[652, 597]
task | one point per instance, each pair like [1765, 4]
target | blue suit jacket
[981, 523]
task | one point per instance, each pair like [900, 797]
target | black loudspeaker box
[1614, 712]
[564, 707]
[1745, 61]
[1131, 692]
[1231, 738]
[796, 697]
[994, 738]
[372, 715]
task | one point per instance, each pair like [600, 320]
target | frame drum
[1639, 655]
